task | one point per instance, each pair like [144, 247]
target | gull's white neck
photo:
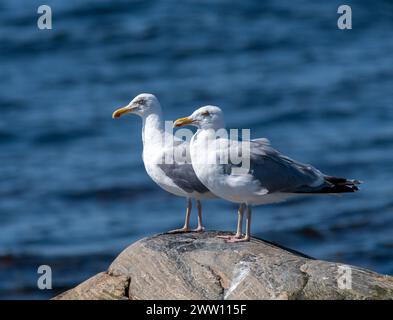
[153, 129]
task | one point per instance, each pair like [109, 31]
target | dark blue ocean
[73, 190]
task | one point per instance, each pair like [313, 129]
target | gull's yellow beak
[182, 122]
[119, 112]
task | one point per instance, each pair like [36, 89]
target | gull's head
[142, 105]
[207, 117]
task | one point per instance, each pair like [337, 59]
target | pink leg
[247, 237]
[239, 225]
[200, 227]
[186, 227]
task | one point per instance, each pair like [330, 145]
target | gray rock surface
[201, 266]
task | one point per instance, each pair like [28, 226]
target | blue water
[73, 191]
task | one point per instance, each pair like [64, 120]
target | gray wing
[183, 174]
[278, 173]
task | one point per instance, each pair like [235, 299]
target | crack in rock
[218, 279]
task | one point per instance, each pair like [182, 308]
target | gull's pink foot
[199, 229]
[181, 230]
[236, 239]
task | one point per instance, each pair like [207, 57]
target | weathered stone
[201, 266]
[100, 287]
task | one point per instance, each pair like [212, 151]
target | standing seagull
[176, 177]
[271, 177]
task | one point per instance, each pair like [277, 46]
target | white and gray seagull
[271, 177]
[176, 177]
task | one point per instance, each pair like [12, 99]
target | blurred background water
[73, 190]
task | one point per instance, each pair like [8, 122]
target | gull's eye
[206, 113]
[140, 102]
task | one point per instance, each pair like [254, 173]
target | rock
[100, 287]
[201, 266]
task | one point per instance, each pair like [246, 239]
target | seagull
[269, 178]
[174, 176]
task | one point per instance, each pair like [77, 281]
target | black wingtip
[341, 185]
